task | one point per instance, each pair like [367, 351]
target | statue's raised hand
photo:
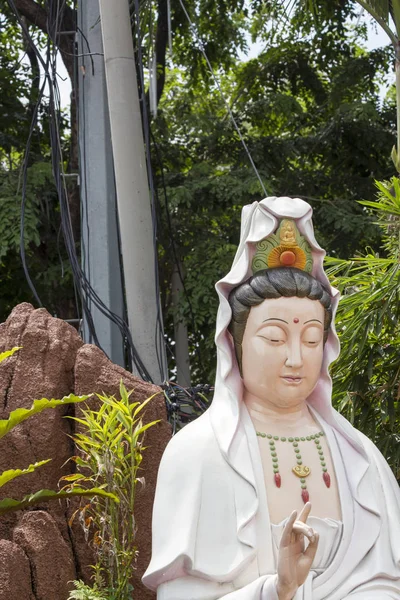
[294, 562]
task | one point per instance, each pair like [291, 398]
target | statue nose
[294, 358]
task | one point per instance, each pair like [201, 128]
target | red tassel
[327, 479]
[278, 480]
[305, 495]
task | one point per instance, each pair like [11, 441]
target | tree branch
[38, 17]
[32, 11]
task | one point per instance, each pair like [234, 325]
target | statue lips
[292, 379]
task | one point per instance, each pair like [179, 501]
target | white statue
[271, 494]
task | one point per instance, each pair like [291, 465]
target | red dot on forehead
[295, 320]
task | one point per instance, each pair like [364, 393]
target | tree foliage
[309, 109]
[367, 374]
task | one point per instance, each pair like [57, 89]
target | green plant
[111, 444]
[15, 418]
[367, 374]
[85, 592]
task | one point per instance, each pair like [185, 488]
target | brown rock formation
[51, 558]
[52, 363]
[15, 573]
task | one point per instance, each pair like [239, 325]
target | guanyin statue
[271, 494]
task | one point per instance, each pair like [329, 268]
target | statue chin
[272, 494]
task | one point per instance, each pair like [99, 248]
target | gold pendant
[301, 471]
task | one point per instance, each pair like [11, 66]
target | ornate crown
[284, 248]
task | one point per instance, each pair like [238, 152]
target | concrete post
[131, 184]
[100, 254]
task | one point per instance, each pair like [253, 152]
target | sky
[376, 38]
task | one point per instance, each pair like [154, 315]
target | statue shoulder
[192, 447]
[374, 455]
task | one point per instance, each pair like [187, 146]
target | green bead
[303, 486]
[325, 470]
[276, 437]
[323, 464]
[303, 439]
[269, 436]
[312, 437]
[321, 452]
[319, 447]
[321, 433]
[299, 462]
[302, 480]
[276, 470]
[297, 439]
[308, 438]
[273, 454]
[274, 459]
[316, 439]
[283, 439]
[295, 444]
[272, 443]
[297, 450]
[291, 440]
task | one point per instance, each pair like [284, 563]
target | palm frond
[395, 12]
[380, 10]
[381, 7]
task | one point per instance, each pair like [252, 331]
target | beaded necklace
[301, 471]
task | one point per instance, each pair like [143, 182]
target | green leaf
[11, 474]
[4, 355]
[9, 504]
[380, 7]
[396, 14]
[19, 415]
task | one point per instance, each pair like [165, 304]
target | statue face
[283, 350]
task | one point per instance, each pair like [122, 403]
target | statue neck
[285, 418]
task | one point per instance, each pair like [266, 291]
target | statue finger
[312, 547]
[303, 516]
[303, 529]
[288, 530]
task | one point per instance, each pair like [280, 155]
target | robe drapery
[211, 530]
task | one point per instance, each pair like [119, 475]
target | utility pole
[100, 252]
[181, 333]
[132, 187]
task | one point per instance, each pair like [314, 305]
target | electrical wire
[185, 404]
[82, 285]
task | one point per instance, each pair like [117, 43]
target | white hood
[259, 220]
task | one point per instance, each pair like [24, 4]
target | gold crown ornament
[284, 248]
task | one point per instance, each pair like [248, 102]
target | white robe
[211, 530]
[202, 558]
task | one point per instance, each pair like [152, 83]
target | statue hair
[279, 282]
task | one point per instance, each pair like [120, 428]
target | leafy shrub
[85, 592]
[111, 445]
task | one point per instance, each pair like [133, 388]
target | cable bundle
[85, 294]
